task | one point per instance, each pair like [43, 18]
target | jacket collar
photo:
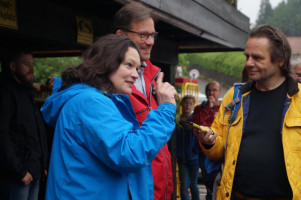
[292, 86]
[10, 81]
[149, 74]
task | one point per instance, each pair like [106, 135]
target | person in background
[262, 152]
[137, 22]
[179, 71]
[23, 143]
[49, 80]
[99, 149]
[296, 72]
[204, 115]
[187, 151]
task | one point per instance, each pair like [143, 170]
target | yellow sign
[84, 30]
[8, 14]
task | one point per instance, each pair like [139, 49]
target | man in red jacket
[205, 113]
[138, 23]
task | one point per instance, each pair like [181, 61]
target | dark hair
[244, 75]
[186, 97]
[13, 54]
[16, 53]
[279, 46]
[131, 12]
[101, 59]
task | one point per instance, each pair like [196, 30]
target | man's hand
[208, 138]
[166, 93]
[27, 179]
[212, 102]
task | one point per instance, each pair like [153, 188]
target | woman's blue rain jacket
[99, 150]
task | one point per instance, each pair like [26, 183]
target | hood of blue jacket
[54, 103]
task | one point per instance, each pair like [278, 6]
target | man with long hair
[261, 147]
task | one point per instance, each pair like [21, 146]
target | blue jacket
[187, 143]
[99, 150]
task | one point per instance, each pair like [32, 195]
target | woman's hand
[166, 93]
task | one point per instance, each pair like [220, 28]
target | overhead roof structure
[51, 27]
[195, 25]
[208, 25]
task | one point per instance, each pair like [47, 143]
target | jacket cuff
[167, 106]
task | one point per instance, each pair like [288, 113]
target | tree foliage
[264, 12]
[228, 63]
[286, 16]
[53, 66]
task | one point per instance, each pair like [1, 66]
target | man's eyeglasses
[144, 36]
[297, 74]
[212, 90]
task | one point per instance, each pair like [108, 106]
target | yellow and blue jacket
[291, 137]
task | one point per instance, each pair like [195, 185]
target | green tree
[264, 12]
[286, 16]
[183, 59]
[53, 66]
[279, 18]
[228, 63]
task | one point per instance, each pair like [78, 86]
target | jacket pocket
[17, 134]
[224, 120]
[293, 132]
[233, 131]
[294, 122]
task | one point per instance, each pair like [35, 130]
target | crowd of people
[113, 115]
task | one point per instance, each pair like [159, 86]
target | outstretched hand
[166, 93]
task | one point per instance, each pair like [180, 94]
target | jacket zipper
[165, 193]
[141, 111]
[151, 89]
[150, 108]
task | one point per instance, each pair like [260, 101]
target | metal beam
[216, 20]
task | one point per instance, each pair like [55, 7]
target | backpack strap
[233, 106]
[237, 100]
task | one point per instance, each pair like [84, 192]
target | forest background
[286, 16]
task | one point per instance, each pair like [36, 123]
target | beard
[27, 78]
